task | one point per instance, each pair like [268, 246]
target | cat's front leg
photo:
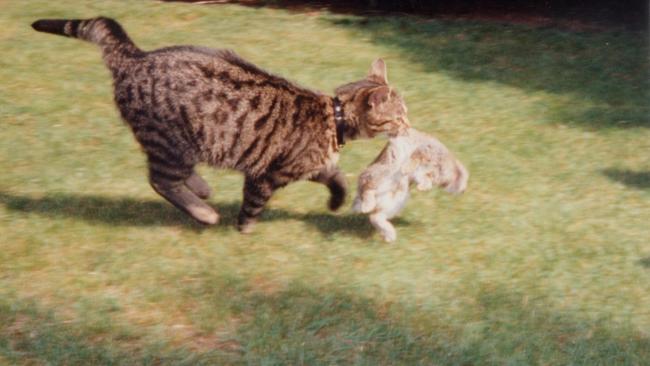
[386, 229]
[257, 192]
[335, 181]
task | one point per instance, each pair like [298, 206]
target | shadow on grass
[604, 73]
[645, 262]
[639, 180]
[302, 325]
[109, 210]
[133, 212]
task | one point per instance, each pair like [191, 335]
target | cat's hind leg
[198, 185]
[385, 228]
[335, 181]
[171, 183]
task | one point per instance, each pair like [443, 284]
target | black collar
[339, 120]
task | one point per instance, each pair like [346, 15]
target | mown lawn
[544, 260]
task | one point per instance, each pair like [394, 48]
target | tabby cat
[410, 158]
[188, 105]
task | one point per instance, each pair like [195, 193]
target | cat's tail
[105, 32]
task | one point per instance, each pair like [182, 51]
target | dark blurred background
[631, 14]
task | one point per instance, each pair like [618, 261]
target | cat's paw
[203, 214]
[246, 228]
[246, 225]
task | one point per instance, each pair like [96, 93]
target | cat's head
[371, 106]
[433, 166]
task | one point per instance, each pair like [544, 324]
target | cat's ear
[378, 71]
[379, 96]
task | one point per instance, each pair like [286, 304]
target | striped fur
[188, 105]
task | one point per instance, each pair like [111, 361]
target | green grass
[544, 260]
